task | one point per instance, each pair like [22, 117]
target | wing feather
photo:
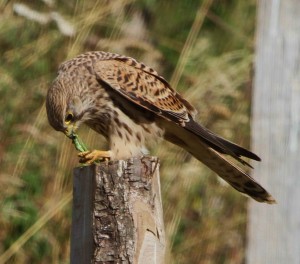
[145, 88]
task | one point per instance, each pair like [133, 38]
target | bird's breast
[126, 136]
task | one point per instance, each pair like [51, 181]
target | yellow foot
[91, 156]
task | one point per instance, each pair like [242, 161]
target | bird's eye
[69, 118]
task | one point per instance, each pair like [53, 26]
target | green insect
[79, 145]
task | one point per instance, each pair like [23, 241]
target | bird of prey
[131, 105]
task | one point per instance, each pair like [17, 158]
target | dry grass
[205, 220]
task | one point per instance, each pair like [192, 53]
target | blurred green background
[204, 48]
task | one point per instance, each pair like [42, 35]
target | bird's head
[66, 109]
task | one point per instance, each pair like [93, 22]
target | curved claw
[91, 156]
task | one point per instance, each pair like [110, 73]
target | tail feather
[220, 144]
[208, 154]
[233, 175]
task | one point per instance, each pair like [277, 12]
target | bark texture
[117, 213]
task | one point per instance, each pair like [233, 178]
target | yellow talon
[94, 155]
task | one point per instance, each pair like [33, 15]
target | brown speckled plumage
[130, 104]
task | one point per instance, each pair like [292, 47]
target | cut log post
[117, 213]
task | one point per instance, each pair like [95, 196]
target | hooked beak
[69, 132]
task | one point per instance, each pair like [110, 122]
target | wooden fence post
[274, 231]
[117, 213]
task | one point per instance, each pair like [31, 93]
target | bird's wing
[144, 87]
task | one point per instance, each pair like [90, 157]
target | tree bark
[274, 231]
[117, 213]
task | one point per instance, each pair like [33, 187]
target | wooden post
[117, 213]
[274, 231]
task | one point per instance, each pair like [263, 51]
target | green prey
[85, 154]
[78, 143]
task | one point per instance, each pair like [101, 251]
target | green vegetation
[204, 47]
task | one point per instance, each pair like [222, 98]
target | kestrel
[131, 105]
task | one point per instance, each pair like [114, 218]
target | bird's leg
[94, 155]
